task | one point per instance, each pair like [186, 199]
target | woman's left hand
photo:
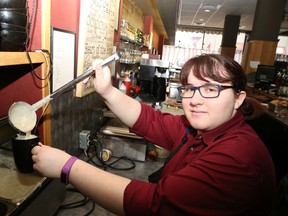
[49, 161]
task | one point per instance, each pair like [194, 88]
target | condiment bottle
[127, 83]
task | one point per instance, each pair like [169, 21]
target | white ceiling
[168, 15]
[191, 12]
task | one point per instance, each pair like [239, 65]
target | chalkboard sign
[96, 35]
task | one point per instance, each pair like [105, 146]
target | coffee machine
[153, 78]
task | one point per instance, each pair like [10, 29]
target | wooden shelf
[21, 58]
[128, 40]
[17, 64]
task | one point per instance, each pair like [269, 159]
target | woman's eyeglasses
[208, 90]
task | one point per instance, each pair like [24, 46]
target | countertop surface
[282, 119]
[15, 187]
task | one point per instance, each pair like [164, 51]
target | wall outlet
[84, 139]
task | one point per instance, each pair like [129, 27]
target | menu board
[96, 35]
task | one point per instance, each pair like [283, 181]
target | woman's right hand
[124, 107]
[102, 81]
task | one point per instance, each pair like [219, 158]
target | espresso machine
[153, 79]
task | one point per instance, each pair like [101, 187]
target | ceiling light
[208, 8]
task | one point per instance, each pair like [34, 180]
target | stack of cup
[13, 25]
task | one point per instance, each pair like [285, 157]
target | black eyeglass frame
[194, 88]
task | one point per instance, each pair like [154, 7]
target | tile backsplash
[69, 116]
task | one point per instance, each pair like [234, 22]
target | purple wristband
[66, 170]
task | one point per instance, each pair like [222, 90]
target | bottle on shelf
[127, 83]
[133, 79]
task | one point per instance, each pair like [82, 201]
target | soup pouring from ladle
[22, 115]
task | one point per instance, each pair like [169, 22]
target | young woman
[219, 166]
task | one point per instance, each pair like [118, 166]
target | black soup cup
[22, 152]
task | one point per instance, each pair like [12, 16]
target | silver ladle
[22, 115]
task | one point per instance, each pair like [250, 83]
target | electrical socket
[84, 139]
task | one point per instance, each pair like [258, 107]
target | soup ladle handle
[89, 72]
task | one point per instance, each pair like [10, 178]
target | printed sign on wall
[96, 35]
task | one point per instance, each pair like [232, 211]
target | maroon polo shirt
[226, 171]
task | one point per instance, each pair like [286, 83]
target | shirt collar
[210, 136]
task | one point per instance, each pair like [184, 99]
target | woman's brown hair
[216, 67]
